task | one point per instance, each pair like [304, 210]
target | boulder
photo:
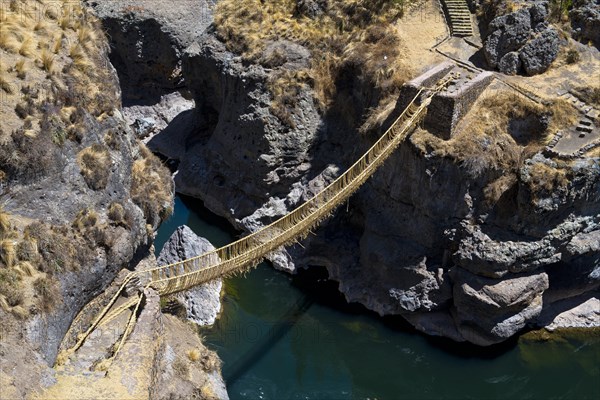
[283, 53]
[538, 54]
[203, 302]
[585, 21]
[510, 64]
[310, 8]
[508, 33]
[538, 13]
[489, 311]
[522, 38]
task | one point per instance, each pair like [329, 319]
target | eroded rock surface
[418, 239]
[585, 21]
[202, 303]
[521, 39]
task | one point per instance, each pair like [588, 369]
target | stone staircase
[590, 115]
[459, 17]
[577, 141]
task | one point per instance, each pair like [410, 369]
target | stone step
[582, 135]
[585, 122]
[593, 114]
[460, 16]
[583, 128]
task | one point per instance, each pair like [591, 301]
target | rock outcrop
[419, 239]
[521, 39]
[202, 303]
[585, 21]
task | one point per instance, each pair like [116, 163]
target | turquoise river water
[283, 337]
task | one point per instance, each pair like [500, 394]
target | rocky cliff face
[80, 195]
[420, 239]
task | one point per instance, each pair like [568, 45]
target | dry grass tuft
[28, 47]
[11, 288]
[152, 187]
[5, 225]
[21, 67]
[24, 268]
[86, 218]
[8, 40]
[47, 61]
[95, 165]
[48, 293]
[194, 355]
[5, 83]
[8, 252]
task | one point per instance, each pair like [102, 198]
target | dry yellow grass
[483, 139]
[21, 68]
[95, 164]
[194, 355]
[151, 186]
[32, 32]
[546, 179]
[37, 30]
[357, 33]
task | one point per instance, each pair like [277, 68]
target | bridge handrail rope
[250, 250]
[258, 244]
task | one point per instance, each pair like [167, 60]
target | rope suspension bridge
[252, 249]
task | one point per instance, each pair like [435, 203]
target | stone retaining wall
[448, 108]
[410, 89]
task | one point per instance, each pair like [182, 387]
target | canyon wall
[419, 239]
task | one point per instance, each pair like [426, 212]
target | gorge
[482, 225]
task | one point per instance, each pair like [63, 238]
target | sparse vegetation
[559, 10]
[546, 179]
[47, 61]
[21, 68]
[572, 56]
[590, 94]
[95, 165]
[500, 127]
[194, 355]
[86, 218]
[11, 289]
[151, 186]
[355, 36]
[48, 292]
[181, 368]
